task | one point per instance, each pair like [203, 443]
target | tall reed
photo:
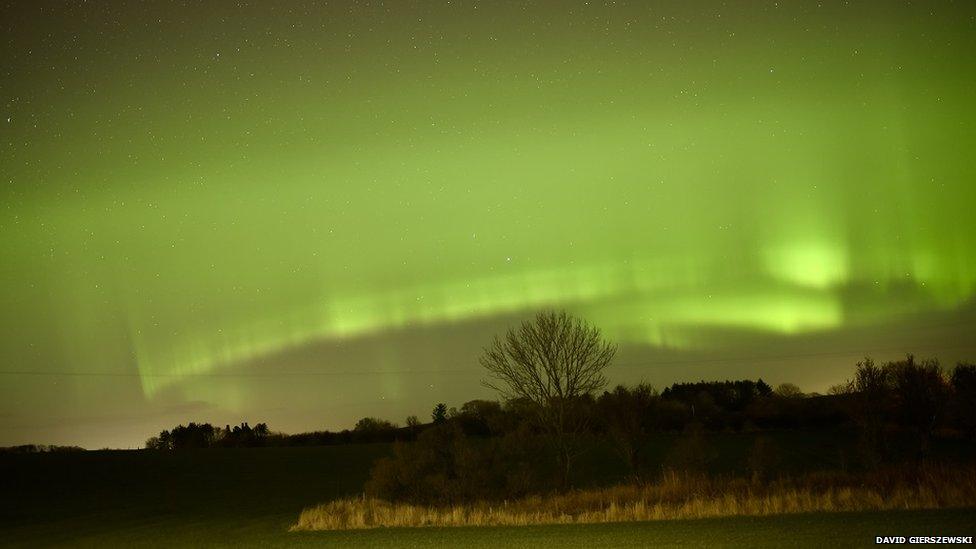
[673, 496]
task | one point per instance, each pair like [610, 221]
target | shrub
[691, 453]
[444, 466]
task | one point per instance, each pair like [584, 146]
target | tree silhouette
[763, 389]
[870, 406]
[552, 362]
[920, 395]
[964, 397]
[439, 415]
[626, 418]
[788, 390]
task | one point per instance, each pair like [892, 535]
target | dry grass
[674, 496]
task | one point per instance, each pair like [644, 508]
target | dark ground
[249, 496]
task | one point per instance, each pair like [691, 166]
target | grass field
[117, 496]
[806, 530]
[249, 497]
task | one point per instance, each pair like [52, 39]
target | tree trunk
[567, 465]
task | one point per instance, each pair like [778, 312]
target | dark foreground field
[188, 497]
[248, 497]
[808, 530]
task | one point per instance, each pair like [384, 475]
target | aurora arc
[281, 177]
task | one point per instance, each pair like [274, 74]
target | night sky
[308, 213]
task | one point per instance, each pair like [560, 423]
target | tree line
[39, 449]
[496, 450]
[549, 370]
[205, 435]
[890, 404]
[553, 404]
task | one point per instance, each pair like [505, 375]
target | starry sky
[306, 213]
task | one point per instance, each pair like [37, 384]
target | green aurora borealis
[304, 214]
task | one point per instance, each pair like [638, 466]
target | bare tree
[554, 362]
[788, 390]
[870, 403]
[921, 394]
